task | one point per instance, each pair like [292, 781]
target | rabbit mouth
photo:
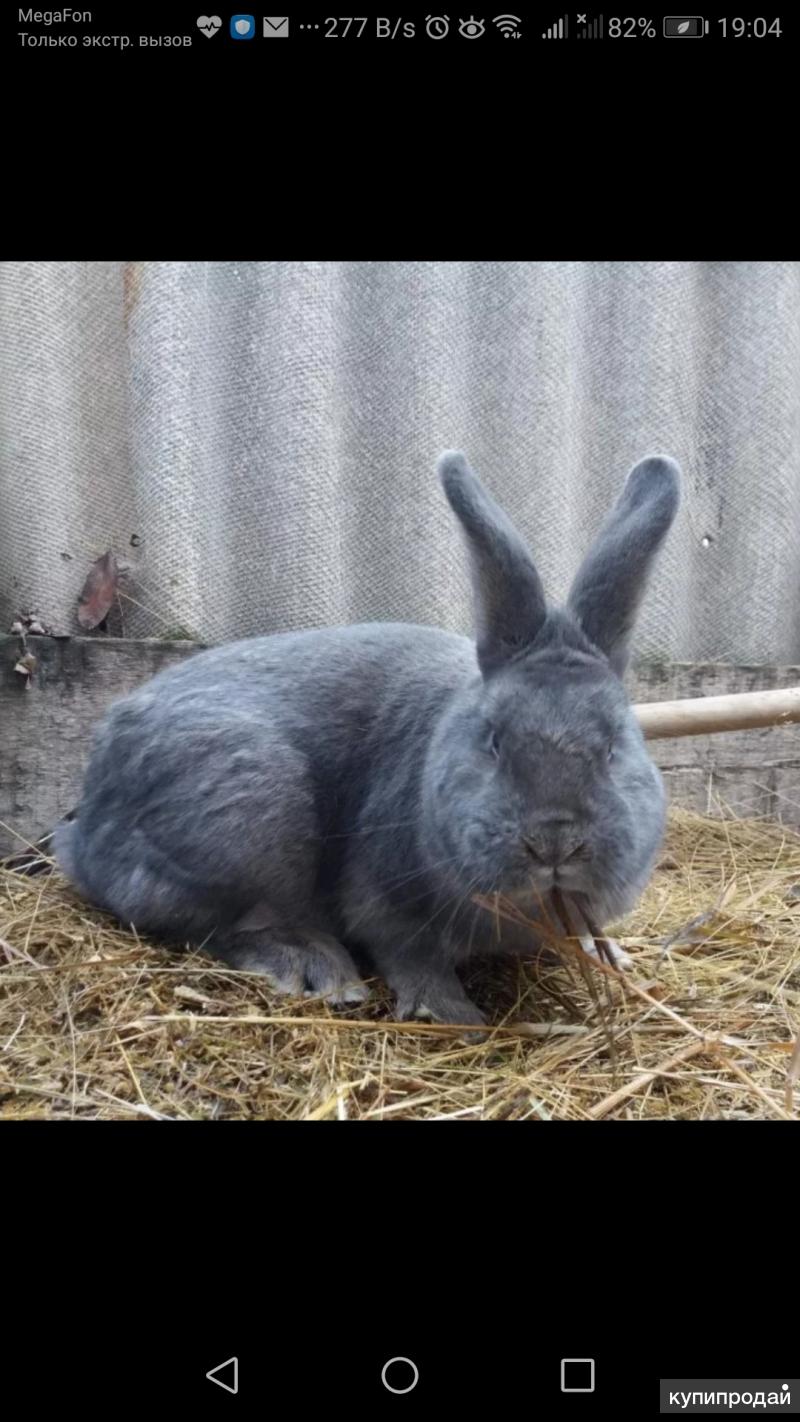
[530, 889]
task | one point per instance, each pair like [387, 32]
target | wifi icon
[508, 25]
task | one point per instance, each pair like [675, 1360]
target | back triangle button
[231, 1383]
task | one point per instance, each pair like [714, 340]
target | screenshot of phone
[272, 47]
[129, 28]
[399, 711]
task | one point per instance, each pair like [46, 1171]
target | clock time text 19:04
[749, 29]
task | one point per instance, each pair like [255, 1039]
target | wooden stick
[705, 715]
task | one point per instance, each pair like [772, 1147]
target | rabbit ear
[612, 579]
[510, 605]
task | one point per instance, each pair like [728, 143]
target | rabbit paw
[334, 976]
[437, 999]
[320, 967]
[620, 958]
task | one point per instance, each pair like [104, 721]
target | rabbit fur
[317, 805]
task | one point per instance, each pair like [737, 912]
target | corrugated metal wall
[266, 434]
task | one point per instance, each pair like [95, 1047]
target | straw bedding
[97, 1023]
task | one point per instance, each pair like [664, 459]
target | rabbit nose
[541, 851]
[550, 851]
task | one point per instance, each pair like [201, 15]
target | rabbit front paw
[620, 958]
[435, 997]
[317, 966]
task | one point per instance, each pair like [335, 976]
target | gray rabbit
[279, 798]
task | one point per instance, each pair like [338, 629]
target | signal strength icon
[559, 30]
[593, 30]
[508, 25]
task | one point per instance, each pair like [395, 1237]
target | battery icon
[684, 27]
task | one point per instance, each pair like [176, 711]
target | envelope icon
[276, 27]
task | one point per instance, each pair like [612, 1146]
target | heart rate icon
[209, 24]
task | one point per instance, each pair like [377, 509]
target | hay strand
[98, 1023]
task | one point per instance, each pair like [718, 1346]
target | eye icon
[471, 28]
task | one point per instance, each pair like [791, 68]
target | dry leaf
[99, 591]
[689, 932]
[655, 989]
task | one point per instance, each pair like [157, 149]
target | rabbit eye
[494, 745]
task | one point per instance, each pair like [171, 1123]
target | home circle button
[400, 1375]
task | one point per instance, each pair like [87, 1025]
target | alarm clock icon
[437, 26]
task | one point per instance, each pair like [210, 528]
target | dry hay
[96, 1023]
